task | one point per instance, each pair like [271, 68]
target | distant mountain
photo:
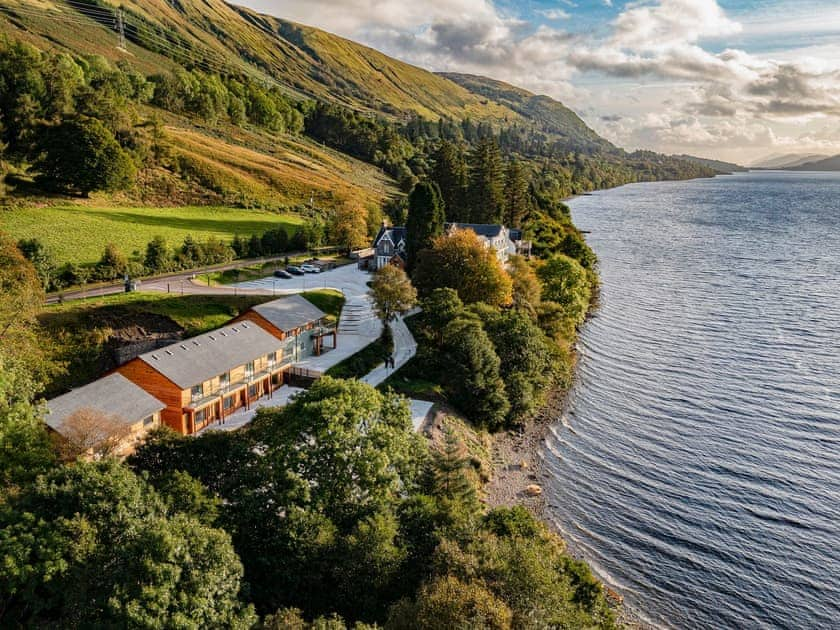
[719, 166]
[551, 116]
[826, 164]
[788, 160]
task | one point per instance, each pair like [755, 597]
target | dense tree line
[160, 256]
[213, 98]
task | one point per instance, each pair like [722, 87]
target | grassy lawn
[76, 233]
[194, 313]
[328, 300]
[359, 364]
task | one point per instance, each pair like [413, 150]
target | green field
[78, 234]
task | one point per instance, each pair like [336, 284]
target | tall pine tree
[450, 174]
[425, 219]
[486, 191]
[516, 193]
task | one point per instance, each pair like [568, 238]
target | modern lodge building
[207, 378]
[111, 403]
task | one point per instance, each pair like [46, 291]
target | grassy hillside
[79, 233]
[223, 164]
[310, 62]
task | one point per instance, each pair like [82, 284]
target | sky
[737, 80]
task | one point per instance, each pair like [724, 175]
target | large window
[200, 416]
[148, 422]
[272, 359]
[197, 392]
[224, 380]
[249, 369]
[228, 404]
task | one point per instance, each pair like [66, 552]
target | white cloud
[555, 14]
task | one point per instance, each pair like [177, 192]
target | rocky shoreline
[517, 476]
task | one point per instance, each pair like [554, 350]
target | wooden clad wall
[167, 392]
[262, 322]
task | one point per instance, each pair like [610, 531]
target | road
[176, 282]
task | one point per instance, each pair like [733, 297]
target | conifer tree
[516, 194]
[425, 219]
[450, 174]
[450, 471]
[486, 190]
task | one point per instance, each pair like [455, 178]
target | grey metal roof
[113, 395]
[289, 312]
[198, 359]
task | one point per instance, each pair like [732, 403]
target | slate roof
[113, 395]
[289, 312]
[395, 233]
[198, 359]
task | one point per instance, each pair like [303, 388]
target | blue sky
[733, 79]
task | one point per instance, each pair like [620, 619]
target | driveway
[348, 279]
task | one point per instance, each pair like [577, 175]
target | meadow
[79, 234]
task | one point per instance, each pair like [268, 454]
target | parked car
[310, 268]
[295, 271]
[282, 273]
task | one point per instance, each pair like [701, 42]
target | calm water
[698, 468]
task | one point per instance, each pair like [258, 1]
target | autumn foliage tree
[348, 226]
[89, 432]
[461, 261]
[392, 292]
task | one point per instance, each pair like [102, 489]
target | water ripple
[698, 468]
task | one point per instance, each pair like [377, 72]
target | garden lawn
[79, 234]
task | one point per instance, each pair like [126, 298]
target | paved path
[358, 327]
[404, 348]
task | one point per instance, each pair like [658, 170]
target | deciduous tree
[82, 155]
[392, 292]
[92, 544]
[113, 263]
[348, 226]
[461, 261]
[566, 282]
[89, 432]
